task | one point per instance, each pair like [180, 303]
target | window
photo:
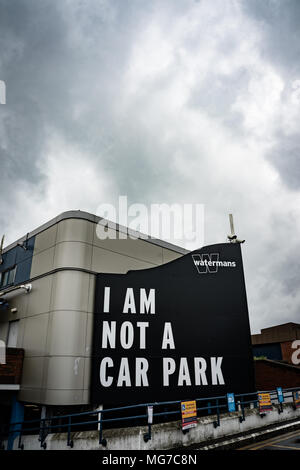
[7, 277]
[11, 276]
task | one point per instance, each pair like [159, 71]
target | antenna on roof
[233, 238]
[1, 249]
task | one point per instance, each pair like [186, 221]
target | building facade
[278, 343]
[47, 289]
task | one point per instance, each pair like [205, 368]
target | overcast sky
[165, 101]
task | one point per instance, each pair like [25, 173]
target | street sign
[231, 402]
[296, 398]
[188, 414]
[265, 403]
[150, 414]
[280, 395]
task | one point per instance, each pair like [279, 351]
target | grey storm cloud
[280, 23]
[163, 101]
[285, 156]
[59, 56]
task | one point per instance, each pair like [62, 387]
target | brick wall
[277, 334]
[287, 351]
[10, 373]
[268, 375]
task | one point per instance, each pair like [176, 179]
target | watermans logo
[210, 263]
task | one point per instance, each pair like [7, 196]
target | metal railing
[73, 422]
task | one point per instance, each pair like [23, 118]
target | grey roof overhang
[95, 219]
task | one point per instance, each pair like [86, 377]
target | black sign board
[176, 331]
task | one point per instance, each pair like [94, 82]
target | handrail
[139, 405]
[47, 425]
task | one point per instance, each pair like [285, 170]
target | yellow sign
[189, 414]
[265, 403]
[296, 397]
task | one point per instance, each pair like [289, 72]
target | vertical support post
[102, 441]
[20, 445]
[70, 442]
[43, 433]
[17, 416]
[242, 418]
[217, 423]
[148, 436]
[99, 408]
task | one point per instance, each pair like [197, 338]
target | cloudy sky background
[165, 101]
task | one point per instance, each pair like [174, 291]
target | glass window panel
[5, 278]
[11, 276]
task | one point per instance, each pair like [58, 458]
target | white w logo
[206, 263]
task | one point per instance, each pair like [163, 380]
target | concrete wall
[169, 435]
[56, 317]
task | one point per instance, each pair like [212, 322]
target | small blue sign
[280, 395]
[231, 402]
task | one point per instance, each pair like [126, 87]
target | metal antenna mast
[233, 238]
[1, 249]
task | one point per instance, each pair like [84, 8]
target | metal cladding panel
[196, 341]
[9, 259]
